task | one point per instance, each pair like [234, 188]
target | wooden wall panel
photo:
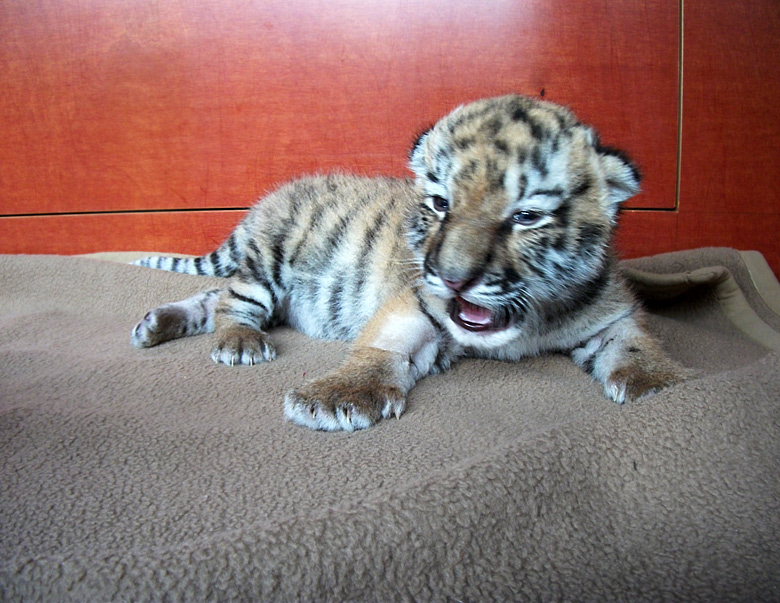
[114, 106]
[651, 232]
[646, 233]
[108, 109]
[191, 232]
[731, 127]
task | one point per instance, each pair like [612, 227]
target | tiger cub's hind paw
[191, 316]
[243, 345]
[159, 325]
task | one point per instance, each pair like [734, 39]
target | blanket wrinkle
[155, 474]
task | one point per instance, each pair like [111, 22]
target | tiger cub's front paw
[335, 403]
[629, 383]
[243, 345]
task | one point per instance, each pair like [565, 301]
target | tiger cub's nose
[458, 286]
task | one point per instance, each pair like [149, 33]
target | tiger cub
[499, 248]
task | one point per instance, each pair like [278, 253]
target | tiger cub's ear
[417, 154]
[621, 175]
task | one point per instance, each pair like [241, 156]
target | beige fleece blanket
[157, 475]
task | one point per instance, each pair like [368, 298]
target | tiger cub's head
[518, 204]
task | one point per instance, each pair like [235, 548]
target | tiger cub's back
[332, 248]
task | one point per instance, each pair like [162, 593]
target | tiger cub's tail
[224, 261]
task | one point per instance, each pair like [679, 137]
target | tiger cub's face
[518, 203]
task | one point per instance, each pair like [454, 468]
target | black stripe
[537, 130]
[334, 305]
[249, 300]
[538, 161]
[431, 258]
[443, 361]
[561, 118]
[562, 270]
[217, 263]
[336, 234]
[277, 257]
[537, 270]
[312, 223]
[501, 146]
[253, 263]
[607, 150]
[232, 244]
[468, 170]
[559, 244]
[583, 187]
[370, 235]
[561, 214]
[492, 126]
[551, 192]
[591, 237]
[510, 277]
[495, 175]
[259, 278]
[426, 311]
[520, 113]
[463, 143]
[252, 266]
[581, 297]
[523, 184]
[589, 364]
[252, 244]
[297, 201]
[365, 256]
[417, 225]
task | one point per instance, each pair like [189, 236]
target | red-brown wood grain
[642, 233]
[731, 108]
[731, 127]
[191, 232]
[112, 106]
[111, 109]
[650, 232]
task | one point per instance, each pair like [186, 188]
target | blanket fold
[156, 475]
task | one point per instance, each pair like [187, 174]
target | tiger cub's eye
[526, 217]
[440, 203]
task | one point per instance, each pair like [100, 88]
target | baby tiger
[500, 247]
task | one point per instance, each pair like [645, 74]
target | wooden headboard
[152, 125]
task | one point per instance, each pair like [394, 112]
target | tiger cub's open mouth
[477, 319]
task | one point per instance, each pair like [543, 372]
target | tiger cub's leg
[397, 348]
[245, 309]
[628, 361]
[191, 316]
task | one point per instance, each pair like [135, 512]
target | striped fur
[500, 247]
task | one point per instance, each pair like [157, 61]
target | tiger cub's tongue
[473, 314]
